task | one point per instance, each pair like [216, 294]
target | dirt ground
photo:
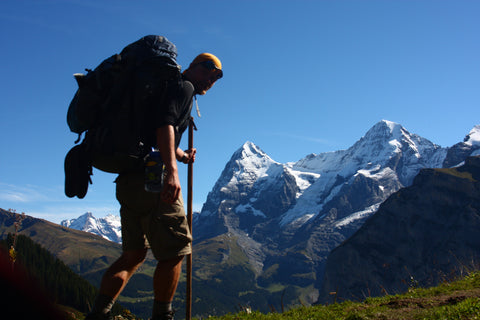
[407, 308]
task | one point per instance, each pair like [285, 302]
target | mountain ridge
[424, 232]
[320, 176]
[274, 225]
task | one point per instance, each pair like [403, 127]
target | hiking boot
[165, 316]
[99, 316]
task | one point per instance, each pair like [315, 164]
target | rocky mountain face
[421, 235]
[285, 219]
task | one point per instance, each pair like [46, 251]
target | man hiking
[157, 220]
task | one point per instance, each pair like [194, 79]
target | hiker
[158, 220]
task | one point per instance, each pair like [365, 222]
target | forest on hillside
[39, 276]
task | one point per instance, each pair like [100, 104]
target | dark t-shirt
[176, 109]
[172, 107]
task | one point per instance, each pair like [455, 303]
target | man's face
[203, 77]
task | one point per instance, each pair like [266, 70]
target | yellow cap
[206, 57]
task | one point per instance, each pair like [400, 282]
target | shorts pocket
[177, 227]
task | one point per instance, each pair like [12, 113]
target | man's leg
[165, 281]
[115, 279]
[117, 276]
[170, 240]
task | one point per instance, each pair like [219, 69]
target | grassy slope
[454, 300]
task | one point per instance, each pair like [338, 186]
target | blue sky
[301, 77]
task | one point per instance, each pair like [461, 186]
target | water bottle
[154, 169]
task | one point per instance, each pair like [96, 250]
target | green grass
[453, 300]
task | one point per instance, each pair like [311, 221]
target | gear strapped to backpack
[109, 106]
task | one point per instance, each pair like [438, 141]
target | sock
[103, 304]
[160, 308]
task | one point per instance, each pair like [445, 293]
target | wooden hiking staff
[191, 127]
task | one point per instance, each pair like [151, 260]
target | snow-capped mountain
[388, 156]
[108, 227]
[470, 146]
[292, 215]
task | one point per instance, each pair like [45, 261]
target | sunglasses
[210, 65]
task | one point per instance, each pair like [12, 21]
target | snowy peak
[386, 129]
[108, 227]
[248, 164]
[85, 221]
[387, 137]
[384, 144]
[244, 180]
[473, 138]
[250, 149]
[251, 156]
[387, 142]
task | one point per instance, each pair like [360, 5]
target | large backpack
[109, 106]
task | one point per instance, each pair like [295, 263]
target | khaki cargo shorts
[148, 222]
